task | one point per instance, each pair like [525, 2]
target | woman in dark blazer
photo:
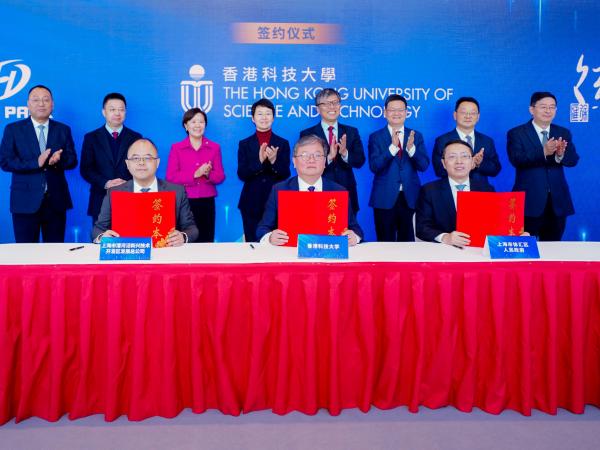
[263, 160]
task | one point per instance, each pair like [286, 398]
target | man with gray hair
[309, 159]
[345, 149]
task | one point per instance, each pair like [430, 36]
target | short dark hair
[465, 100]
[456, 141]
[307, 140]
[327, 92]
[113, 96]
[189, 115]
[394, 98]
[41, 86]
[265, 103]
[537, 96]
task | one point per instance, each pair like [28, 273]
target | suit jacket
[490, 166]
[184, 220]
[436, 212]
[268, 222]
[338, 170]
[538, 175]
[392, 171]
[259, 178]
[98, 164]
[19, 152]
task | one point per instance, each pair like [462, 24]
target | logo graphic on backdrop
[197, 93]
[580, 111]
[18, 76]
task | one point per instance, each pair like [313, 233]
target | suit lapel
[123, 144]
[104, 142]
[533, 136]
[318, 130]
[32, 138]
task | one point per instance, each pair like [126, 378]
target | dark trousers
[395, 224]
[203, 210]
[250, 220]
[50, 222]
[548, 226]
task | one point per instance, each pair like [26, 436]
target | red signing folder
[148, 214]
[312, 213]
[480, 214]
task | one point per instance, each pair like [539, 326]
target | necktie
[42, 139]
[115, 134]
[461, 187]
[544, 137]
[469, 140]
[399, 133]
[331, 136]
[144, 189]
[311, 189]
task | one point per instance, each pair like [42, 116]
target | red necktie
[399, 144]
[115, 134]
[331, 136]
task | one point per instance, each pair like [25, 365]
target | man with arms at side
[345, 147]
[37, 151]
[104, 151]
[396, 154]
[539, 150]
[309, 159]
[485, 161]
[436, 207]
[263, 160]
[142, 162]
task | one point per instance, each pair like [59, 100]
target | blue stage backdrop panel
[165, 56]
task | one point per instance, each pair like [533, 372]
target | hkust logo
[197, 93]
[13, 76]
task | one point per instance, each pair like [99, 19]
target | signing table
[241, 328]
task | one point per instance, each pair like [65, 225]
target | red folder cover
[490, 213]
[312, 213]
[148, 214]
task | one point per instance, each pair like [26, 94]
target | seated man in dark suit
[309, 161]
[37, 151]
[396, 153]
[104, 151]
[539, 150]
[142, 162]
[485, 160]
[345, 147]
[436, 207]
[263, 160]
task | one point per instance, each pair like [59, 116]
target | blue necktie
[145, 190]
[42, 138]
[544, 137]
[461, 187]
[311, 189]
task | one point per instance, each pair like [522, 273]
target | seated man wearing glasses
[345, 149]
[309, 160]
[142, 162]
[436, 206]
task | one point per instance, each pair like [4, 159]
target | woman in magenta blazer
[196, 164]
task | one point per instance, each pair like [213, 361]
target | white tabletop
[244, 253]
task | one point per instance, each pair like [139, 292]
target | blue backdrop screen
[167, 56]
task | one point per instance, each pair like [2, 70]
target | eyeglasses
[396, 110]
[308, 156]
[453, 158]
[331, 104]
[546, 107]
[141, 159]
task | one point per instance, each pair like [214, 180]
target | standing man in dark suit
[142, 162]
[485, 162]
[37, 151]
[396, 153]
[263, 160]
[345, 147]
[309, 161]
[104, 150]
[436, 207]
[539, 150]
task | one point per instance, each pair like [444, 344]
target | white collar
[303, 185]
[153, 187]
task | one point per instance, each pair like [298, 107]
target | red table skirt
[151, 340]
